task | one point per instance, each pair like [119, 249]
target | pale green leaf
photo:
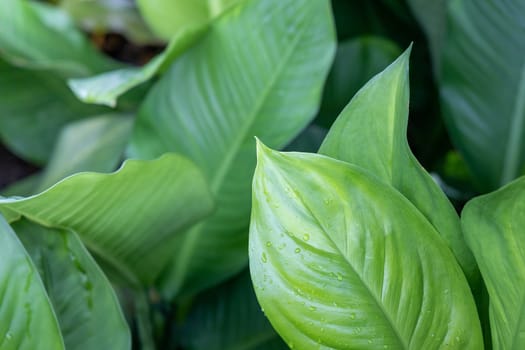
[494, 227]
[340, 260]
[371, 133]
[41, 36]
[258, 71]
[34, 106]
[129, 218]
[94, 144]
[86, 307]
[27, 320]
[107, 87]
[483, 87]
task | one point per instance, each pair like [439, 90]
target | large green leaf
[169, 18]
[107, 87]
[258, 71]
[371, 133]
[86, 307]
[483, 87]
[494, 227]
[94, 144]
[229, 317]
[38, 35]
[340, 260]
[27, 320]
[34, 106]
[129, 218]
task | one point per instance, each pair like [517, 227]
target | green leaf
[129, 218]
[357, 60]
[120, 16]
[483, 87]
[27, 320]
[94, 144]
[86, 307]
[169, 18]
[107, 87]
[229, 317]
[34, 106]
[494, 230]
[340, 260]
[41, 36]
[371, 133]
[259, 71]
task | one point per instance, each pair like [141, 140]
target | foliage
[135, 231]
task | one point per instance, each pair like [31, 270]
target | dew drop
[369, 341]
[339, 277]
[268, 244]
[352, 316]
[264, 258]
[8, 336]
[312, 308]
[297, 250]
[306, 237]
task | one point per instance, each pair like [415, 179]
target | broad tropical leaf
[34, 106]
[494, 227]
[84, 302]
[129, 218]
[483, 87]
[229, 317]
[41, 36]
[340, 260]
[106, 88]
[371, 133]
[27, 320]
[209, 109]
[94, 144]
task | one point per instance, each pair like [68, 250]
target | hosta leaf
[38, 35]
[86, 307]
[27, 320]
[128, 218]
[169, 18]
[107, 87]
[371, 133]
[94, 144]
[34, 106]
[259, 70]
[483, 87]
[340, 260]
[494, 230]
[229, 317]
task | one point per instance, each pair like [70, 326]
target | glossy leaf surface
[229, 317]
[27, 320]
[84, 302]
[340, 260]
[371, 133]
[483, 87]
[34, 106]
[494, 227]
[38, 35]
[209, 109]
[94, 144]
[129, 218]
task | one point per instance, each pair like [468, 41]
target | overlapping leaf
[483, 87]
[371, 133]
[130, 218]
[85, 305]
[27, 320]
[259, 70]
[494, 227]
[340, 260]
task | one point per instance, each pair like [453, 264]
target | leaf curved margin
[340, 260]
[128, 218]
[85, 304]
[494, 230]
[27, 319]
